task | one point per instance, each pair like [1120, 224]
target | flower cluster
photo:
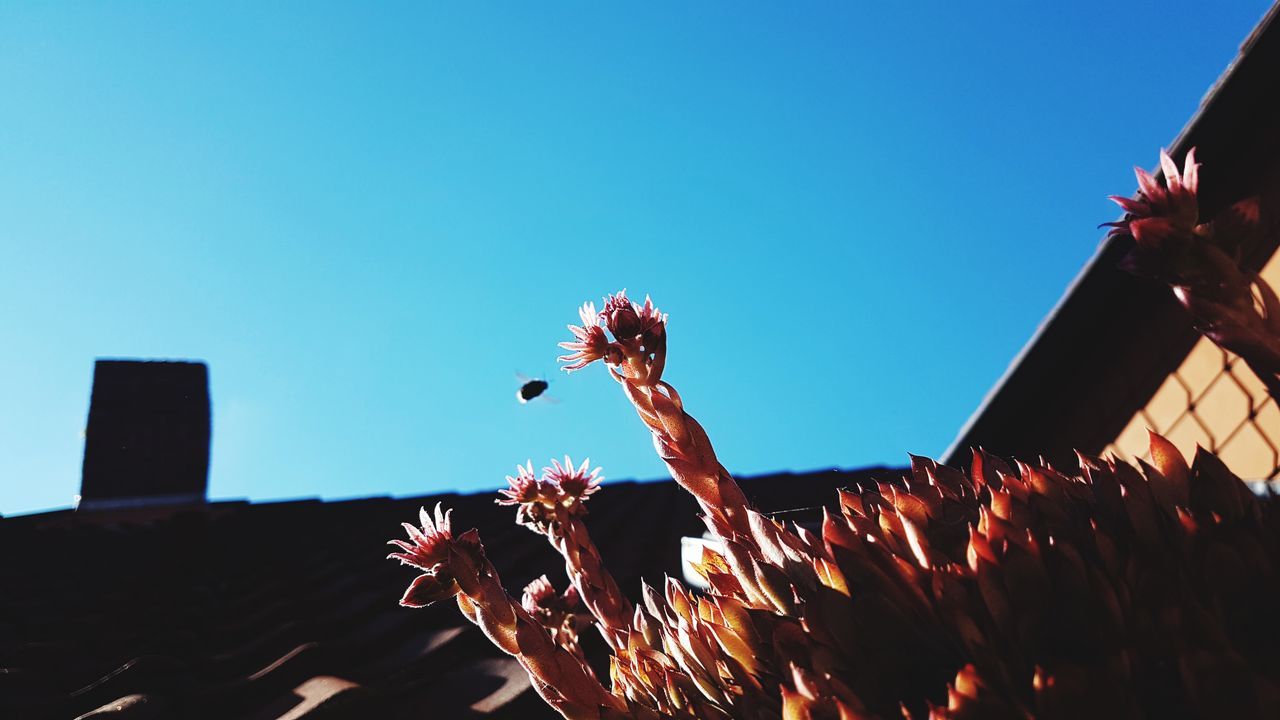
[639, 338]
[428, 550]
[636, 359]
[1202, 262]
[559, 492]
[526, 488]
[575, 484]
[1012, 590]
[540, 597]
[553, 505]
[589, 344]
[1161, 211]
[1009, 591]
[456, 567]
[556, 611]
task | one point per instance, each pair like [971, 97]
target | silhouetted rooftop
[1112, 339]
[289, 610]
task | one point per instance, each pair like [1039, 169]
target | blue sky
[367, 220]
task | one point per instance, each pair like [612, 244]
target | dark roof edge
[125, 513]
[957, 451]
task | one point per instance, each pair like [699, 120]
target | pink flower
[573, 482]
[427, 589]
[653, 325]
[649, 315]
[524, 488]
[621, 316]
[628, 320]
[540, 595]
[590, 343]
[1160, 211]
[639, 331]
[427, 548]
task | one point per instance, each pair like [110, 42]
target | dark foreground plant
[1010, 591]
[1202, 262]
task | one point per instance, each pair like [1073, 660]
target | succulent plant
[1012, 590]
[1202, 262]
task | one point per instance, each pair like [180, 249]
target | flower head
[428, 550]
[536, 500]
[621, 316]
[428, 547]
[540, 597]
[590, 343]
[1161, 210]
[524, 488]
[575, 483]
[627, 319]
[651, 321]
[639, 334]
[429, 588]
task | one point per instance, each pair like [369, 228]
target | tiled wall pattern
[1213, 400]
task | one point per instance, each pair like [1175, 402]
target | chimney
[147, 442]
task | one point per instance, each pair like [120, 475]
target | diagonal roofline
[1103, 349]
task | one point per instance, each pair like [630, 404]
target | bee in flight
[532, 388]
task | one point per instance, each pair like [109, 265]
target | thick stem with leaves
[1202, 263]
[1007, 591]
[636, 358]
[554, 505]
[457, 567]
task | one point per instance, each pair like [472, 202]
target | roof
[1102, 352]
[289, 610]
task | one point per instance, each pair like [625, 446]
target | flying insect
[532, 388]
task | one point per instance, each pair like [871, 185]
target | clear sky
[367, 219]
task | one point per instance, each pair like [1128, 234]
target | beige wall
[1215, 401]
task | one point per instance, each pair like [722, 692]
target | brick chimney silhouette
[147, 441]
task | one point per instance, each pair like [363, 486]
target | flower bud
[621, 318]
